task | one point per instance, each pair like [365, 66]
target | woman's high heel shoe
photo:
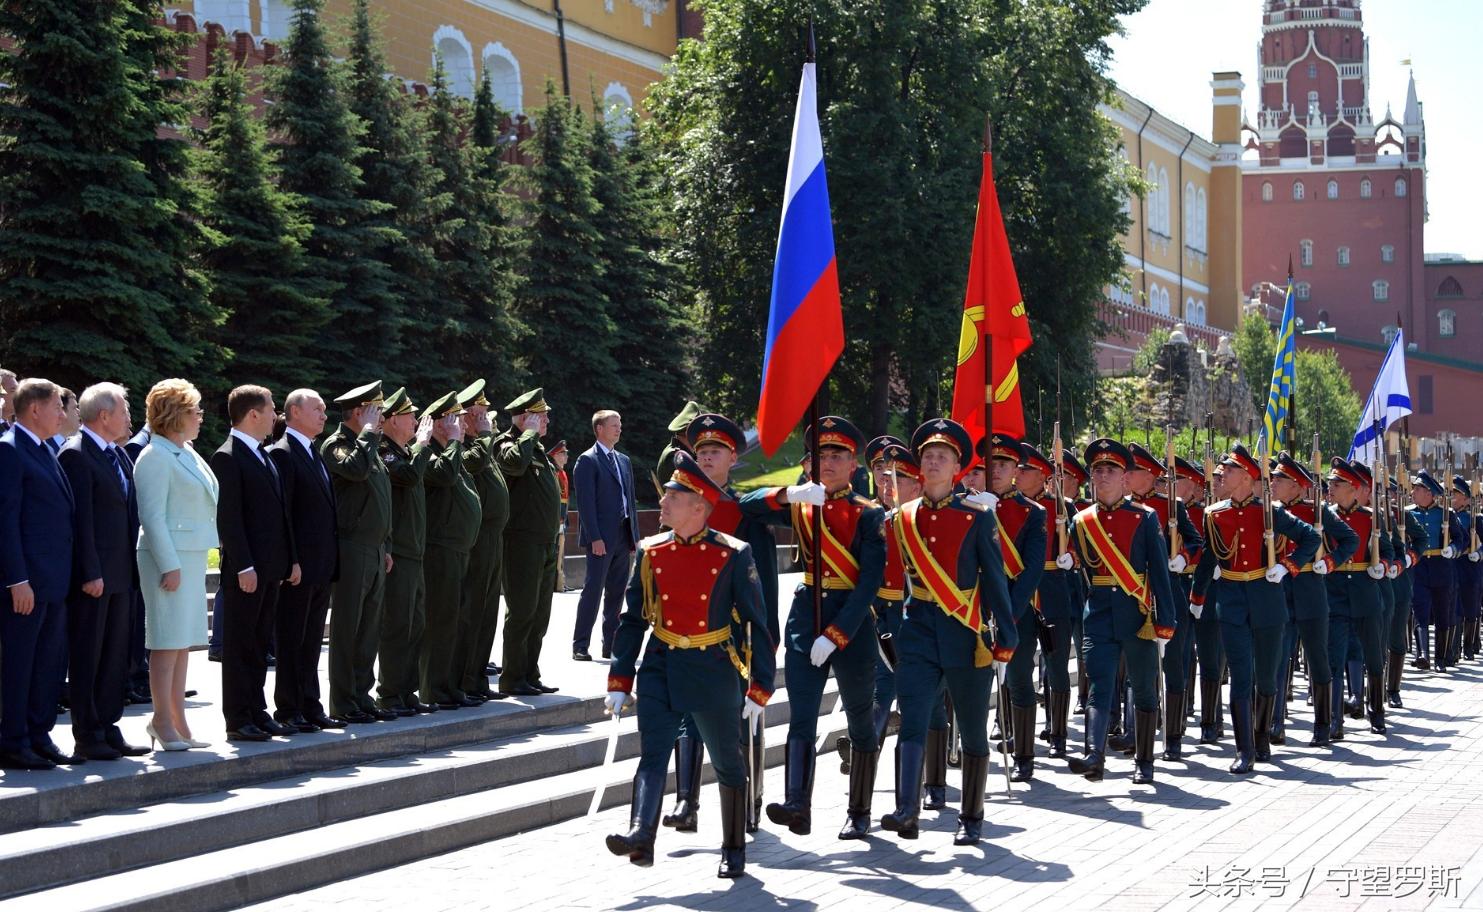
[194, 743]
[166, 745]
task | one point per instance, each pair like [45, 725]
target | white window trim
[454, 34]
[498, 49]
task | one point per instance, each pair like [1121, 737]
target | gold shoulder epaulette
[659, 539]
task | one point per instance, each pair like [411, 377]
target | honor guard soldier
[1148, 484]
[363, 507]
[898, 480]
[1243, 537]
[1307, 595]
[697, 591]
[956, 584]
[1022, 539]
[1075, 478]
[1436, 571]
[1409, 541]
[852, 553]
[1056, 602]
[1190, 489]
[1461, 638]
[1130, 605]
[404, 450]
[716, 441]
[1353, 587]
[479, 614]
[1369, 686]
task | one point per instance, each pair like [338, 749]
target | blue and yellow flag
[1284, 376]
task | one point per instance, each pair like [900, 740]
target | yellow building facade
[612, 49]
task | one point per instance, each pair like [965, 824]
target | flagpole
[1292, 395]
[816, 513]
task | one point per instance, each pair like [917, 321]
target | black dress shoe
[300, 724]
[356, 717]
[24, 759]
[191, 693]
[272, 660]
[607, 652]
[325, 722]
[450, 704]
[404, 712]
[275, 728]
[213, 657]
[494, 695]
[99, 752]
[523, 690]
[385, 715]
[495, 669]
[127, 749]
[468, 701]
[543, 688]
[248, 732]
[423, 709]
[54, 754]
[581, 655]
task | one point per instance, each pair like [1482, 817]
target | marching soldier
[1056, 604]
[1210, 652]
[1461, 637]
[1130, 605]
[852, 553]
[898, 480]
[1409, 541]
[1075, 477]
[479, 614]
[453, 527]
[1190, 489]
[363, 507]
[404, 450]
[1240, 536]
[699, 592]
[1022, 539]
[1354, 593]
[1436, 572]
[1307, 594]
[956, 572]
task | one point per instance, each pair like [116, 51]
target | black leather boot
[862, 786]
[842, 747]
[756, 775]
[934, 781]
[1091, 766]
[733, 833]
[1377, 703]
[1209, 702]
[1323, 711]
[689, 755]
[880, 717]
[903, 820]
[1173, 725]
[1355, 677]
[1190, 683]
[1082, 684]
[1000, 731]
[1060, 706]
[1241, 724]
[1393, 680]
[1261, 727]
[1022, 719]
[1336, 710]
[975, 774]
[1146, 721]
[796, 810]
[638, 842]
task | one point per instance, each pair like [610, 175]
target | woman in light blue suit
[177, 494]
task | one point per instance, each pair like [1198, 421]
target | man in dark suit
[36, 571]
[257, 557]
[137, 687]
[608, 515]
[100, 605]
[302, 608]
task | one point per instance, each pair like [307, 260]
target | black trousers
[299, 629]
[98, 631]
[606, 579]
[246, 636]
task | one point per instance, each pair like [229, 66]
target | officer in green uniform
[453, 525]
[530, 542]
[479, 617]
[678, 441]
[363, 509]
[405, 453]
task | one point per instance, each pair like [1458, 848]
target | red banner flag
[992, 309]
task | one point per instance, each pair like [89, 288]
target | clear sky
[1172, 47]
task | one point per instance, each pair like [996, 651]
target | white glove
[984, 499]
[1177, 563]
[822, 649]
[1065, 561]
[1376, 571]
[1276, 572]
[1474, 556]
[424, 430]
[1321, 566]
[752, 714]
[1409, 562]
[1449, 552]
[1392, 571]
[1217, 571]
[615, 700]
[1196, 610]
[810, 492]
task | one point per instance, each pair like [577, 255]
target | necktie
[118, 468]
[618, 471]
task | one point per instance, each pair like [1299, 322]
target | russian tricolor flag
[805, 327]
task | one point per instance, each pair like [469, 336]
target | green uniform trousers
[441, 673]
[479, 618]
[529, 574]
[403, 620]
[355, 627]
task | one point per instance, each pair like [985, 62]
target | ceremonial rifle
[1058, 471]
[1318, 505]
[1375, 502]
[1473, 506]
[1209, 460]
[1267, 533]
[1173, 492]
[1446, 524]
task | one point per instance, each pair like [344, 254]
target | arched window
[1151, 201]
[1400, 186]
[1298, 190]
[1381, 289]
[458, 59]
[1343, 256]
[1450, 288]
[1366, 189]
[1164, 203]
[1333, 189]
[1387, 253]
[1446, 323]
[1387, 332]
[1188, 230]
[277, 18]
[1302, 291]
[1323, 319]
[1305, 253]
[1153, 297]
[231, 15]
[1164, 301]
[1195, 312]
[1266, 191]
[617, 106]
[1312, 100]
[1202, 219]
[503, 70]
[1128, 202]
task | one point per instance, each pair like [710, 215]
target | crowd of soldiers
[976, 565]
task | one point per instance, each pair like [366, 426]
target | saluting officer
[1353, 587]
[678, 426]
[956, 572]
[405, 452]
[531, 546]
[363, 508]
[1436, 571]
[1022, 539]
[698, 590]
[479, 614]
[852, 553]
[1056, 603]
